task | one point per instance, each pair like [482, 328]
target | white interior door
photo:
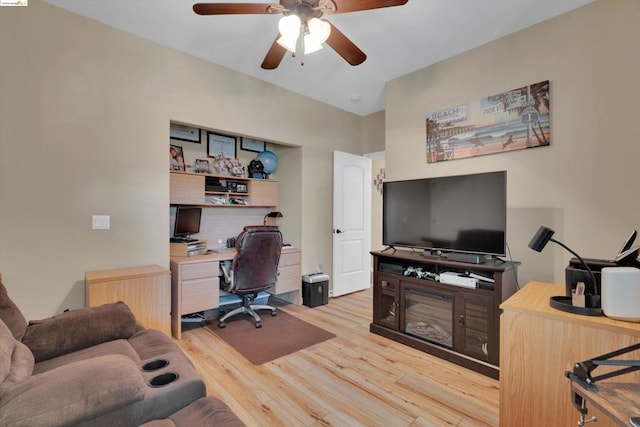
[351, 223]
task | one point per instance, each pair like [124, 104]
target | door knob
[338, 231]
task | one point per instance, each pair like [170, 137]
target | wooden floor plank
[355, 379]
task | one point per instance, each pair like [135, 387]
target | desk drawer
[289, 279]
[199, 270]
[290, 258]
[200, 294]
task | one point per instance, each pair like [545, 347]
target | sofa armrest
[73, 393]
[78, 329]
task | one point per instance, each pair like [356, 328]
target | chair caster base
[274, 313]
[258, 325]
[223, 325]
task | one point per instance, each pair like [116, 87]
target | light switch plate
[101, 222]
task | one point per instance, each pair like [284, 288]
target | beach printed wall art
[508, 121]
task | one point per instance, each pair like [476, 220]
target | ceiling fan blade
[274, 56]
[346, 6]
[231, 8]
[345, 47]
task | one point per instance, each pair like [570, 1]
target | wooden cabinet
[456, 323]
[186, 189]
[195, 286]
[263, 192]
[190, 189]
[145, 289]
[539, 344]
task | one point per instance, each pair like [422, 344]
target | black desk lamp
[544, 236]
[274, 214]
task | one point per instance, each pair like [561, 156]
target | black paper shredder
[315, 289]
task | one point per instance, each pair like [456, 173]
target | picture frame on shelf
[184, 133]
[201, 166]
[176, 158]
[250, 144]
[221, 144]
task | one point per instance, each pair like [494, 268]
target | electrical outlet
[101, 222]
[320, 268]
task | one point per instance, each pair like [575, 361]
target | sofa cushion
[21, 365]
[121, 347]
[7, 344]
[16, 361]
[11, 315]
[73, 393]
[150, 343]
[78, 329]
[204, 412]
[207, 411]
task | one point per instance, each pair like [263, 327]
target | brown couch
[98, 367]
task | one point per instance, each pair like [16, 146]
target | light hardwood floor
[355, 379]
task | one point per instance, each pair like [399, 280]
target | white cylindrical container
[621, 293]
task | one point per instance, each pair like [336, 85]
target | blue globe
[269, 161]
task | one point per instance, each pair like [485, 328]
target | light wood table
[145, 289]
[539, 344]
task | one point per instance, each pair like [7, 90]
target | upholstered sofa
[97, 367]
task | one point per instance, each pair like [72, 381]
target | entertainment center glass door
[386, 304]
[473, 326]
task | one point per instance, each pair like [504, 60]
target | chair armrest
[73, 393]
[78, 329]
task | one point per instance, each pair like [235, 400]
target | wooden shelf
[190, 189]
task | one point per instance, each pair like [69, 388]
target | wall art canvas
[511, 120]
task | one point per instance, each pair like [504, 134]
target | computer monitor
[187, 222]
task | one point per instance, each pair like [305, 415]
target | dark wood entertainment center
[456, 323]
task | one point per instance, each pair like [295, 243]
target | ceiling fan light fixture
[289, 27]
[288, 43]
[310, 45]
[319, 30]
[317, 33]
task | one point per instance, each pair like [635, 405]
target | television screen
[187, 221]
[464, 213]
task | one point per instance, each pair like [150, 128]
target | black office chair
[255, 268]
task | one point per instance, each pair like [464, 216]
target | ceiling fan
[301, 28]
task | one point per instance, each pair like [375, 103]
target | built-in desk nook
[224, 204]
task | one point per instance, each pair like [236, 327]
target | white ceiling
[397, 40]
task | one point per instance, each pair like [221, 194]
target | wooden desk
[195, 285]
[616, 401]
[539, 344]
[145, 289]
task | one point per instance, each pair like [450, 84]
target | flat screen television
[187, 222]
[465, 213]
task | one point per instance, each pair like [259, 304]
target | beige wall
[583, 185]
[84, 124]
[373, 132]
